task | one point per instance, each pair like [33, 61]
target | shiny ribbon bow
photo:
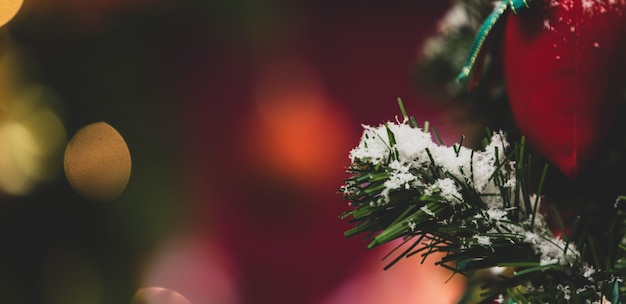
[485, 29]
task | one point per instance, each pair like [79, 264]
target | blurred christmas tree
[551, 76]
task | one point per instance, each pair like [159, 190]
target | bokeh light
[97, 162]
[194, 266]
[158, 295]
[298, 133]
[32, 134]
[8, 10]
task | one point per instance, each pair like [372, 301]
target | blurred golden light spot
[158, 295]
[32, 135]
[14, 138]
[97, 162]
[8, 10]
[30, 144]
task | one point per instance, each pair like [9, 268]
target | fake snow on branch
[474, 206]
[407, 151]
[416, 149]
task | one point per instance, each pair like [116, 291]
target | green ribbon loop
[515, 6]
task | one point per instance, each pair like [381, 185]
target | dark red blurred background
[239, 116]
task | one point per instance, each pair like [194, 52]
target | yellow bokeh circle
[8, 10]
[97, 162]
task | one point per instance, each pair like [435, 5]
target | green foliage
[481, 230]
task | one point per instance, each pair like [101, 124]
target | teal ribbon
[515, 6]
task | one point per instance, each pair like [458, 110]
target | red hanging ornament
[565, 67]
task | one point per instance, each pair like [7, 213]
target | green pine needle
[476, 230]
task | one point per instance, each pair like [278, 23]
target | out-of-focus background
[238, 115]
